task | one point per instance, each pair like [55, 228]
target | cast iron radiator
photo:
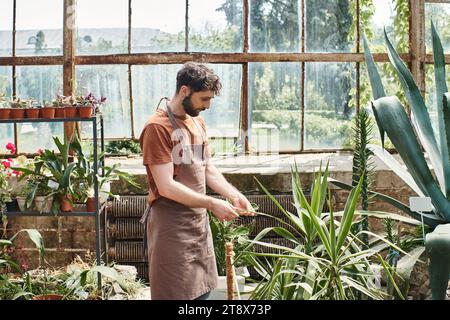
[125, 232]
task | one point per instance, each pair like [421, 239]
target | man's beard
[188, 107]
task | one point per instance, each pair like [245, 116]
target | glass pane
[6, 25]
[222, 118]
[150, 84]
[157, 26]
[328, 112]
[440, 14]
[274, 105]
[275, 26]
[215, 25]
[392, 15]
[6, 130]
[100, 31]
[329, 26]
[221, 146]
[430, 95]
[39, 27]
[40, 83]
[110, 81]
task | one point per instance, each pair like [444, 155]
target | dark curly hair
[198, 77]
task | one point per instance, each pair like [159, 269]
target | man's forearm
[184, 195]
[217, 182]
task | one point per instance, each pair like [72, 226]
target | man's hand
[241, 202]
[223, 210]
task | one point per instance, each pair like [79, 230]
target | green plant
[229, 231]
[84, 173]
[392, 119]
[60, 172]
[326, 261]
[363, 166]
[123, 147]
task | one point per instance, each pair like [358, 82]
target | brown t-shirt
[157, 142]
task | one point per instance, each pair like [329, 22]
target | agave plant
[393, 120]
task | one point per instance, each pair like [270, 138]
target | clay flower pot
[85, 111]
[17, 113]
[32, 113]
[4, 113]
[90, 205]
[60, 112]
[43, 204]
[71, 112]
[66, 205]
[48, 112]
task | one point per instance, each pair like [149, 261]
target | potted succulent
[31, 109]
[48, 110]
[17, 108]
[70, 106]
[5, 110]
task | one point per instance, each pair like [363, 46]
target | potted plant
[89, 105]
[58, 172]
[5, 110]
[17, 108]
[31, 109]
[5, 190]
[48, 110]
[84, 177]
[59, 106]
[70, 106]
[225, 232]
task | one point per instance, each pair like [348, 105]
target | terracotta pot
[48, 297]
[32, 113]
[71, 112]
[43, 204]
[85, 112]
[90, 205]
[60, 112]
[17, 114]
[48, 112]
[4, 113]
[66, 205]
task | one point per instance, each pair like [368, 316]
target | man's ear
[185, 91]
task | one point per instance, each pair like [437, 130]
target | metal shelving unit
[97, 123]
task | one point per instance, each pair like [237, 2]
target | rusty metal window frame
[416, 58]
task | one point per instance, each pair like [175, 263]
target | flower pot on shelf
[32, 113]
[21, 204]
[48, 112]
[85, 111]
[60, 112]
[90, 205]
[43, 204]
[17, 114]
[66, 205]
[4, 113]
[71, 112]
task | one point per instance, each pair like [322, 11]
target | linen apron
[182, 263]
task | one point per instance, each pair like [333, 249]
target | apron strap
[144, 220]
